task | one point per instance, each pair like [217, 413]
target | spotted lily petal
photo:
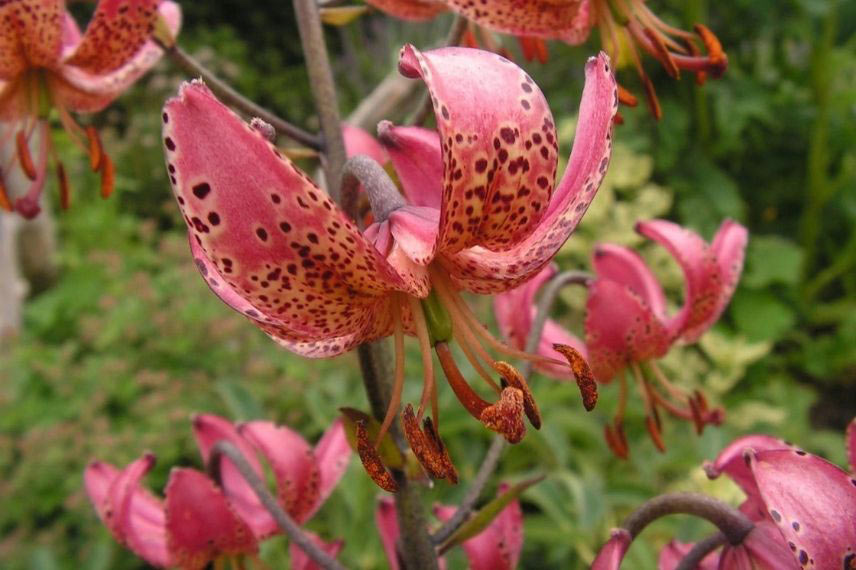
[293, 463]
[675, 551]
[208, 429]
[415, 231]
[612, 553]
[201, 524]
[766, 549]
[301, 561]
[483, 271]
[358, 141]
[416, 156]
[729, 247]
[333, 453]
[813, 503]
[30, 35]
[567, 20]
[625, 266]
[416, 10]
[498, 145]
[620, 327]
[268, 236]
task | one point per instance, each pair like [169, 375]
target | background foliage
[128, 343]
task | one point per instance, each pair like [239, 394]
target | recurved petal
[30, 35]
[416, 156]
[768, 550]
[731, 460]
[82, 90]
[612, 553]
[813, 503]
[333, 453]
[566, 20]
[387, 525]
[482, 271]
[208, 429]
[269, 233]
[498, 546]
[554, 334]
[293, 464]
[301, 561]
[498, 145]
[117, 30]
[675, 551]
[415, 231]
[625, 266]
[515, 309]
[729, 247]
[416, 10]
[97, 478]
[201, 524]
[358, 141]
[620, 328]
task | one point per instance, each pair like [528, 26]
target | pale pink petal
[675, 551]
[301, 561]
[625, 266]
[620, 328]
[552, 334]
[70, 34]
[81, 90]
[515, 309]
[293, 464]
[208, 429]
[729, 247]
[813, 503]
[415, 231]
[498, 145]
[416, 10]
[851, 445]
[737, 558]
[30, 35]
[568, 20]
[416, 276]
[768, 549]
[416, 156]
[482, 271]
[273, 237]
[498, 546]
[358, 141]
[333, 453]
[201, 524]
[386, 521]
[97, 478]
[612, 553]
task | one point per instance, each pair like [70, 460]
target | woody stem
[285, 522]
[417, 552]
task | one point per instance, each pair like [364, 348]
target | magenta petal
[415, 232]
[386, 521]
[482, 271]
[301, 561]
[31, 35]
[620, 327]
[675, 551]
[625, 266]
[498, 546]
[293, 464]
[333, 453]
[612, 553]
[358, 141]
[416, 156]
[569, 21]
[553, 334]
[201, 524]
[515, 309]
[813, 503]
[498, 145]
[851, 445]
[768, 550]
[729, 247]
[208, 429]
[97, 478]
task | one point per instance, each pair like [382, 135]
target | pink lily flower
[478, 213]
[46, 63]
[199, 520]
[627, 325]
[497, 547]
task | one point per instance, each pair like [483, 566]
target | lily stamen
[398, 381]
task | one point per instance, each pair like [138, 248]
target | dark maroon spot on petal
[526, 87]
[312, 237]
[776, 516]
[525, 104]
[803, 557]
[171, 168]
[262, 233]
[796, 526]
[202, 267]
[275, 198]
[445, 112]
[202, 190]
[165, 118]
[285, 227]
[169, 144]
[800, 452]
[252, 313]
[214, 218]
[507, 135]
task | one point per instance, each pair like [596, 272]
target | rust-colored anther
[700, 76]
[372, 462]
[473, 403]
[625, 97]
[24, 156]
[108, 176]
[651, 97]
[582, 372]
[533, 48]
[512, 377]
[715, 54]
[95, 149]
[702, 401]
[5, 203]
[505, 417]
[662, 53]
[655, 434]
[615, 443]
[428, 447]
[64, 188]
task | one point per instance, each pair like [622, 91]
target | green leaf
[760, 315]
[239, 401]
[388, 451]
[771, 259]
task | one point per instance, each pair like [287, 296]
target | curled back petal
[675, 551]
[117, 30]
[620, 328]
[554, 334]
[729, 247]
[566, 20]
[82, 90]
[201, 524]
[498, 144]
[358, 141]
[625, 266]
[768, 549]
[208, 429]
[515, 309]
[293, 464]
[416, 10]
[418, 161]
[30, 35]
[97, 478]
[269, 234]
[301, 561]
[498, 546]
[813, 504]
[482, 271]
[703, 282]
[415, 231]
[612, 553]
[333, 453]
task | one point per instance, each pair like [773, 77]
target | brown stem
[285, 522]
[701, 549]
[383, 195]
[228, 95]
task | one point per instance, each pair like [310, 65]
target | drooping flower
[47, 64]
[200, 520]
[478, 214]
[497, 547]
[627, 326]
